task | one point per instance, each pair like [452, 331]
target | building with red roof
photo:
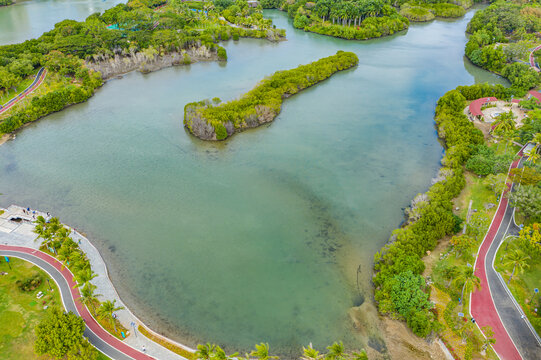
[535, 94]
[475, 106]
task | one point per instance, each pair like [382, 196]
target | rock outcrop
[147, 60]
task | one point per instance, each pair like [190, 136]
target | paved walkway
[19, 236]
[35, 84]
[532, 59]
[493, 305]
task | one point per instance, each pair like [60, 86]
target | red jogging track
[24, 93]
[83, 311]
[482, 306]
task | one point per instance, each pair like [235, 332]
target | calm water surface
[259, 238]
[28, 19]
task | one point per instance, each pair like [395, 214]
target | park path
[493, 305]
[20, 234]
[35, 84]
[100, 338]
[532, 60]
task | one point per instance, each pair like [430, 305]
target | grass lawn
[522, 285]
[21, 311]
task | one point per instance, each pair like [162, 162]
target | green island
[141, 35]
[212, 120]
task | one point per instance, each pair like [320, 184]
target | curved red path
[25, 93]
[91, 323]
[532, 63]
[482, 306]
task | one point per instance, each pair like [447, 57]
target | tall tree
[107, 309]
[518, 259]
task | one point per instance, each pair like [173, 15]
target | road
[35, 84]
[493, 305]
[101, 339]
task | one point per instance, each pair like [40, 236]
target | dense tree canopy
[60, 335]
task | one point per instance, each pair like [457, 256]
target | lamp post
[48, 282]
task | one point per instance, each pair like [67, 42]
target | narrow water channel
[259, 238]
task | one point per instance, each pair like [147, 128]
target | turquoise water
[259, 238]
[28, 19]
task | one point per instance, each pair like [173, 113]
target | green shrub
[222, 54]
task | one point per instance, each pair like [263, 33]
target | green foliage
[435, 219]
[528, 200]
[502, 22]
[263, 103]
[60, 335]
[222, 53]
[6, 2]
[347, 19]
[484, 161]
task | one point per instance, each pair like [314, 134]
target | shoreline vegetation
[501, 39]
[413, 284]
[144, 35]
[213, 120]
[365, 19]
[6, 2]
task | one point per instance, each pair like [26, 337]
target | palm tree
[107, 309]
[537, 141]
[505, 123]
[310, 353]
[88, 297]
[204, 352]
[41, 227]
[518, 259]
[467, 279]
[84, 276]
[261, 352]
[532, 155]
[336, 351]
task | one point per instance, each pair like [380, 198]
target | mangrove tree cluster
[400, 289]
[502, 36]
[213, 120]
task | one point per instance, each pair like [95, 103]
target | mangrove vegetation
[213, 120]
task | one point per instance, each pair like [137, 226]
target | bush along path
[210, 120]
[493, 305]
[20, 239]
[35, 84]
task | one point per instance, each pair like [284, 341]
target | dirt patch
[403, 344]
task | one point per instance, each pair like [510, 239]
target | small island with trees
[213, 120]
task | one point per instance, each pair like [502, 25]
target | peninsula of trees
[137, 35]
[213, 120]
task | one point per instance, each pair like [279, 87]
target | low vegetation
[213, 120]
[500, 38]
[6, 2]
[166, 344]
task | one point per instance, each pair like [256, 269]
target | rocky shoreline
[147, 62]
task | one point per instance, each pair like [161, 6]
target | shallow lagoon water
[259, 238]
